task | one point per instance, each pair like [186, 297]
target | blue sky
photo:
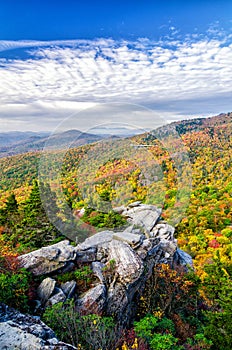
[73, 19]
[58, 57]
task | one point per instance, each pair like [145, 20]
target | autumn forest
[183, 168]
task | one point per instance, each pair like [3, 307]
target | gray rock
[143, 249]
[136, 231]
[120, 209]
[163, 231]
[142, 207]
[133, 229]
[87, 256]
[58, 297]
[132, 239]
[97, 270]
[69, 288]
[45, 289]
[146, 219]
[183, 258]
[128, 265]
[155, 252]
[97, 240]
[48, 259]
[134, 204]
[70, 266]
[117, 302]
[38, 305]
[24, 332]
[129, 275]
[163, 253]
[168, 247]
[102, 253]
[93, 301]
[145, 216]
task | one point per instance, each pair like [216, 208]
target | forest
[186, 172]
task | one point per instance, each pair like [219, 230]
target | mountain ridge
[18, 142]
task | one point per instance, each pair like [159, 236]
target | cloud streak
[175, 78]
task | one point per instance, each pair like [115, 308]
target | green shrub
[83, 276]
[14, 288]
[93, 332]
[164, 342]
[100, 220]
[83, 273]
[218, 289]
[219, 329]
[199, 341]
[157, 332]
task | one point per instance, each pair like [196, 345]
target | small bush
[198, 342]
[14, 289]
[93, 332]
[83, 276]
[157, 332]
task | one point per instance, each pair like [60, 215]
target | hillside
[207, 144]
[183, 168]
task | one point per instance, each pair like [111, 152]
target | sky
[81, 64]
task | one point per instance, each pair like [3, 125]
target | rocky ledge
[132, 253]
[121, 263]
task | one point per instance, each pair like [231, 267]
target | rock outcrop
[121, 262]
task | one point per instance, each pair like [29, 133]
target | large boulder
[143, 215]
[123, 280]
[97, 240]
[49, 259]
[128, 266]
[45, 289]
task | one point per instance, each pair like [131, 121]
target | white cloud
[176, 79]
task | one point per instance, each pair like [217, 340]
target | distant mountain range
[12, 143]
[17, 142]
[12, 137]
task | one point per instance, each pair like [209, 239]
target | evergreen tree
[33, 206]
[39, 230]
[9, 214]
[11, 204]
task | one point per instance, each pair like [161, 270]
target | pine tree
[11, 204]
[36, 223]
[9, 214]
